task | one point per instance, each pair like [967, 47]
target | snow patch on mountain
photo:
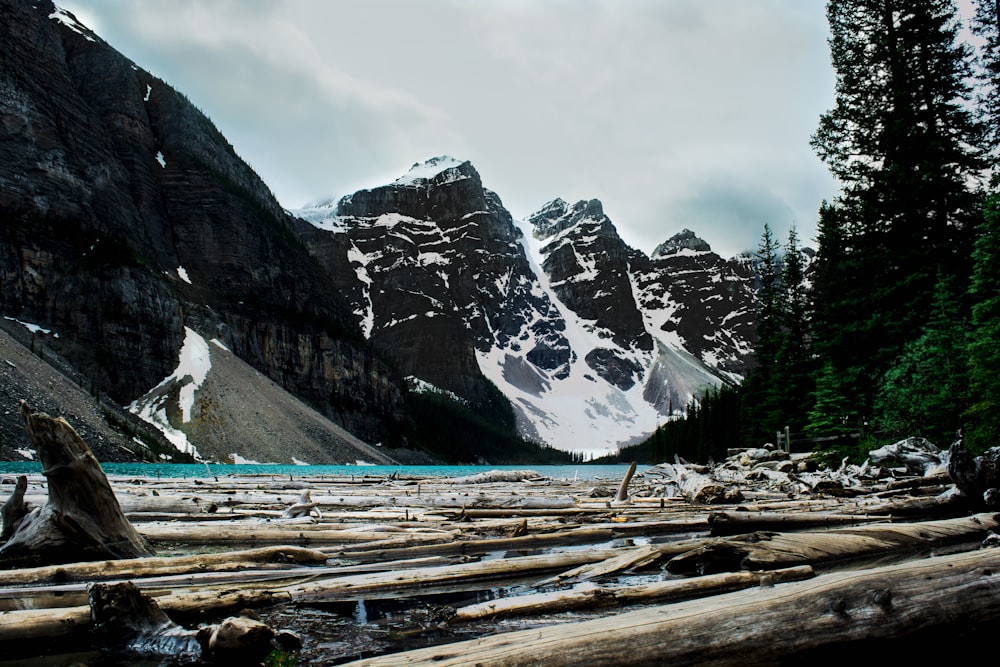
[193, 364]
[421, 172]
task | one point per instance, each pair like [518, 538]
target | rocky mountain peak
[558, 216]
[684, 240]
[442, 189]
[437, 170]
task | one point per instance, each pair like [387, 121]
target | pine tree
[984, 347]
[793, 362]
[763, 397]
[986, 25]
[902, 141]
[926, 390]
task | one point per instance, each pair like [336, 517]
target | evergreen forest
[892, 329]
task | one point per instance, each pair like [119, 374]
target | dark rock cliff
[125, 216]
[434, 268]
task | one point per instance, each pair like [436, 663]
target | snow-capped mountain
[174, 283]
[593, 342]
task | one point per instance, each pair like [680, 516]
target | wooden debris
[591, 597]
[751, 625]
[978, 477]
[82, 519]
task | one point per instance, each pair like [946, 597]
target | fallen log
[736, 523]
[82, 519]
[766, 550]
[751, 625]
[695, 487]
[18, 624]
[140, 567]
[600, 596]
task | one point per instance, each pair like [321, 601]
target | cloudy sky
[674, 113]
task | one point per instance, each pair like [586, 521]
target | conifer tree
[983, 431]
[763, 399]
[793, 363]
[902, 141]
[925, 392]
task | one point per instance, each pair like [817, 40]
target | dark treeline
[893, 328]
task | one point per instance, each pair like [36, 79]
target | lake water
[596, 472]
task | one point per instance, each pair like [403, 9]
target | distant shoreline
[198, 470]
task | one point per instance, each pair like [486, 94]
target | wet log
[125, 618]
[753, 625]
[82, 519]
[599, 596]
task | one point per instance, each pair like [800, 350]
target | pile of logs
[675, 563]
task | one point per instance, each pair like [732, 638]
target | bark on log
[82, 519]
[751, 625]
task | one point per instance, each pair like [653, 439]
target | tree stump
[82, 520]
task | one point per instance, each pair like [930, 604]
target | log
[495, 476]
[15, 509]
[82, 519]
[593, 596]
[141, 567]
[764, 550]
[978, 477]
[736, 523]
[697, 488]
[622, 495]
[760, 625]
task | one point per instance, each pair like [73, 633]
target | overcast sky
[674, 113]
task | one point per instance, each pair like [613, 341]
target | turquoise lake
[609, 472]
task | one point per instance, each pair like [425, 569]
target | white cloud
[639, 103]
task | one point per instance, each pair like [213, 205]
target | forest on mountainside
[896, 332]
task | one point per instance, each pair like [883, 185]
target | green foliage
[903, 141]
[280, 658]
[924, 393]
[983, 430]
[777, 393]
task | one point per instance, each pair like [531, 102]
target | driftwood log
[82, 519]
[764, 625]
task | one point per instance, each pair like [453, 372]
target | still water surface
[613, 472]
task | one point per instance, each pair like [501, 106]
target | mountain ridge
[587, 348]
[131, 227]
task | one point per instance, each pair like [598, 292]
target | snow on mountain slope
[212, 394]
[588, 338]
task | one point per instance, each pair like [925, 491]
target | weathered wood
[82, 519]
[139, 567]
[15, 509]
[628, 558]
[622, 495]
[764, 550]
[735, 523]
[978, 477]
[751, 625]
[592, 597]
[694, 486]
